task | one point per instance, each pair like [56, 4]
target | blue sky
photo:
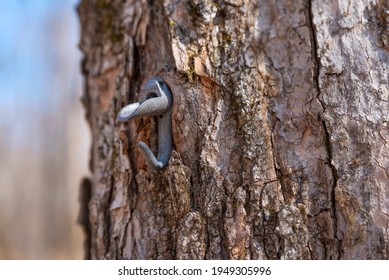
[39, 67]
[28, 48]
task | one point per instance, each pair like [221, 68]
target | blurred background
[44, 138]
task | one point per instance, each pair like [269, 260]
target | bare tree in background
[280, 129]
[44, 138]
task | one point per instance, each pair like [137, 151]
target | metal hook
[156, 100]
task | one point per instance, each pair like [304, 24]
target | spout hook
[156, 100]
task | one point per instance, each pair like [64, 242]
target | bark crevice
[327, 136]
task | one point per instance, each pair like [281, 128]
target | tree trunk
[280, 128]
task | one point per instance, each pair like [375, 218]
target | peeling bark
[279, 129]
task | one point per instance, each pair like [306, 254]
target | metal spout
[157, 100]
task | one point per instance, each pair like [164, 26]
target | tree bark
[280, 128]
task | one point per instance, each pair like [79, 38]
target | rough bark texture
[280, 128]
